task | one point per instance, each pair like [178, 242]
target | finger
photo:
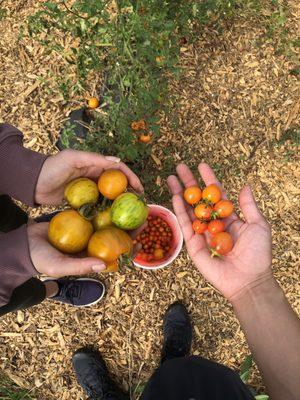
[209, 177]
[174, 185]
[80, 266]
[176, 189]
[249, 207]
[183, 217]
[137, 231]
[186, 176]
[134, 181]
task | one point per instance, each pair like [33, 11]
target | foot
[92, 376]
[177, 330]
[81, 292]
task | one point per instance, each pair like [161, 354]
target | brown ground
[234, 99]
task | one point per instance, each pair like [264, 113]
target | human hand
[49, 261]
[67, 165]
[249, 262]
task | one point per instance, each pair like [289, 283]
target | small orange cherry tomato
[221, 243]
[203, 211]
[93, 102]
[112, 183]
[145, 138]
[224, 208]
[212, 193]
[216, 226]
[199, 226]
[192, 194]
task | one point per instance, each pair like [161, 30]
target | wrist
[262, 287]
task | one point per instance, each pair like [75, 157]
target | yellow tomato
[69, 232]
[81, 191]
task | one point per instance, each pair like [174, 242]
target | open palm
[249, 261]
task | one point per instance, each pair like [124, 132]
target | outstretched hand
[67, 165]
[249, 262]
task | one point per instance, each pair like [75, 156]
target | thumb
[81, 266]
[249, 207]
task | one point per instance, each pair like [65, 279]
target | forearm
[272, 330]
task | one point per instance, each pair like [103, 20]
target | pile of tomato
[156, 240]
[98, 219]
[209, 210]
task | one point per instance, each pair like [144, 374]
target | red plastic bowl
[170, 218]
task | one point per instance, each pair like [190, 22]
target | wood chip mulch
[233, 101]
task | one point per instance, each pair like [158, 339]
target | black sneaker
[177, 329]
[92, 375]
[80, 292]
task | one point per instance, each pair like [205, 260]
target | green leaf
[245, 376]
[262, 397]
[51, 6]
[247, 364]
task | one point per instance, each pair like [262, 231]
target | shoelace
[70, 291]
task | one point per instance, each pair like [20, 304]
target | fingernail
[98, 268]
[114, 159]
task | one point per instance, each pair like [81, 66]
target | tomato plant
[192, 194]
[112, 183]
[212, 193]
[69, 232]
[221, 243]
[224, 208]
[203, 211]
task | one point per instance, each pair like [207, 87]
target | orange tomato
[221, 243]
[216, 226]
[112, 183]
[203, 211]
[145, 138]
[212, 193]
[93, 102]
[69, 232]
[192, 194]
[199, 226]
[223, 208]
[109, 244]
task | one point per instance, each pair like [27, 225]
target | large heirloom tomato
[109, 244]
[69, 232]
[81, 191]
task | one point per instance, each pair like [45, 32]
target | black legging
[194, 378]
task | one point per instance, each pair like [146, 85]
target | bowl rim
[177, 249]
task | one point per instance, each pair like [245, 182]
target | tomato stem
[87, 211]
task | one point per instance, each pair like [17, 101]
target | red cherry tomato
[221, 243]
[199, 226]
[223, 208]
[203, 211]
[192, 195]
[212, 193]
[216, 226]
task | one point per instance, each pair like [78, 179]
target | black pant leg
[11, 216]
[194, 378]
[29, 294]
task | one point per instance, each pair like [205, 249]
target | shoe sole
[83, 279]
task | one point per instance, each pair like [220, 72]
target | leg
[12, 216]
[181, 376]
[92, 375]
[29, 294]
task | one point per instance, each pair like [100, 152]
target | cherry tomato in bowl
[162, 259]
